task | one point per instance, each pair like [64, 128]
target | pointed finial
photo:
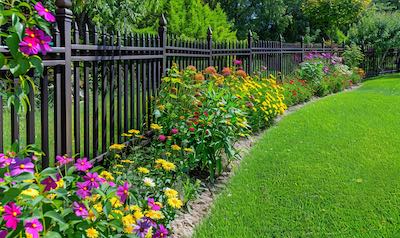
[63, 3]
[250, 34]
[163, 21]
[209, 31]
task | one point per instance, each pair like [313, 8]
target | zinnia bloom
[22, 166]
[33, 227]
[83, 164]
[80, 210]
[161, 232]
[29, 46]
[44, 12]
[11, 212]
[162, 138]
[174, 131]
[83, 189]
[123, 192]
[210, 70]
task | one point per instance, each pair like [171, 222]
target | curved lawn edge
[306, 178]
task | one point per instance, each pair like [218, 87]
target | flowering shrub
[297, 91]
[80, 199]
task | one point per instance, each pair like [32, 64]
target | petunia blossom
[33, 227]
[11, 213]
[22, 166]
[123, 191]
[44, 12]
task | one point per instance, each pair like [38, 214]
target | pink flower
[237, 62]
[22, 166]
[161, 232]
[50, 183]
[43, 12]
[29, 46]
[83, 164]
[174, 131]
[123, 192]
[44, 41]
[3, 233]
[11, 212]
[33, 227]
[151, 203]
[63, 160]
[5, 161]
[191, 129]
[83, 189]
[162, 138]
[93, 180]
[80, 210]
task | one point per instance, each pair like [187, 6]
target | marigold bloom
[44, 12]
[191, 68]
[33, 227]
[107, 175]
[92, 233]
[199, 77]
[155, 215]
[168, 166]
[117, 147]
[226, 71]
[210, 70]
[241, 73]
[11, 213]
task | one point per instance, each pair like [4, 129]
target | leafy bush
[296, 91]
[353, 56]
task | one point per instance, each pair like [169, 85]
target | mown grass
[329, 170]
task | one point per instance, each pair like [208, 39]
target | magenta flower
[22, 166]
[63, 160]
[83, 164]
[11, 213]
[33, 227]
[5, 161]
[3, 233]
[326, 69]
[50, 183]
[2, 180]
[111, 183]
[123, 192]
[174, 131]
[142, 227]
[29, 46]
[151, 203]
[83, 189]
[161, 232]
[44, 41]
[162, 138]
[237, 62]
[44, 12]
[93, 180]
[80, 210]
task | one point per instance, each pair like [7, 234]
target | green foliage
[353, 56]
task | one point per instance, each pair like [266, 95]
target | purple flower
[3, 233]
[63, 160]
[29, 46]
[33, 227]
[83, 189]
[93, 180]
[151, 203]
[237, 62]
[80, 210]
[174, 131]
[43, 12]
[5, 161]
[11, 212]
[22, 166]
[111, 183]
[326, 69]
[141, 228]
[2, 180]
[162, 138]
[83, 164]
[50, 183]
[123, 191]
[161, 232]
[44, 41]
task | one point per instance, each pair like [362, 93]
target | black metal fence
[97, 85]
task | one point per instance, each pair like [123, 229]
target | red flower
[191, 129]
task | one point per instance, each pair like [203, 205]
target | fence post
[64, 19]
[250, 46]
[323, 45]
[209, 44]
[281, 57]
[162, 34]
[302, 48]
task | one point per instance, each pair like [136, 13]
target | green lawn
[332, 169]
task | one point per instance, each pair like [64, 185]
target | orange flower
[199, 77]
[241, 73]
[210, 70]
[191, 68]
[226, 71]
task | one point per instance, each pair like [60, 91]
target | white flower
[149, 182]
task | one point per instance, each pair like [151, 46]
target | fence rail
[97, 85]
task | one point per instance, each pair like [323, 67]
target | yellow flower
[91, 216]
[135, 208]
[175, 203]
[115, 202]
[155, 215]
[168, 154]
[175, 147]
[168, 166]
[128, 220]
[98, 207]
[1, 209]
[138, 215]
[107, 175]
[188, 150]
[143, 170]
[127, 161]
[170, 193]
[60, 183]
[29, 181]
[149, 182]
[155, 127]
[161, 107]
[28, 235]
[133, 131]
[117, 172]
[51, 196]
[30, 192]
[117, 147]
[149, 233]
[92, 233]
[126, 135]
[160, 161]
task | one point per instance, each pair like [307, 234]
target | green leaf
[58, 218]
[47, 172]
[24, 176]
[3, 60]
[37, 62]
[10, 194]
[12, 42]
[19, 67]
[52, 234]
